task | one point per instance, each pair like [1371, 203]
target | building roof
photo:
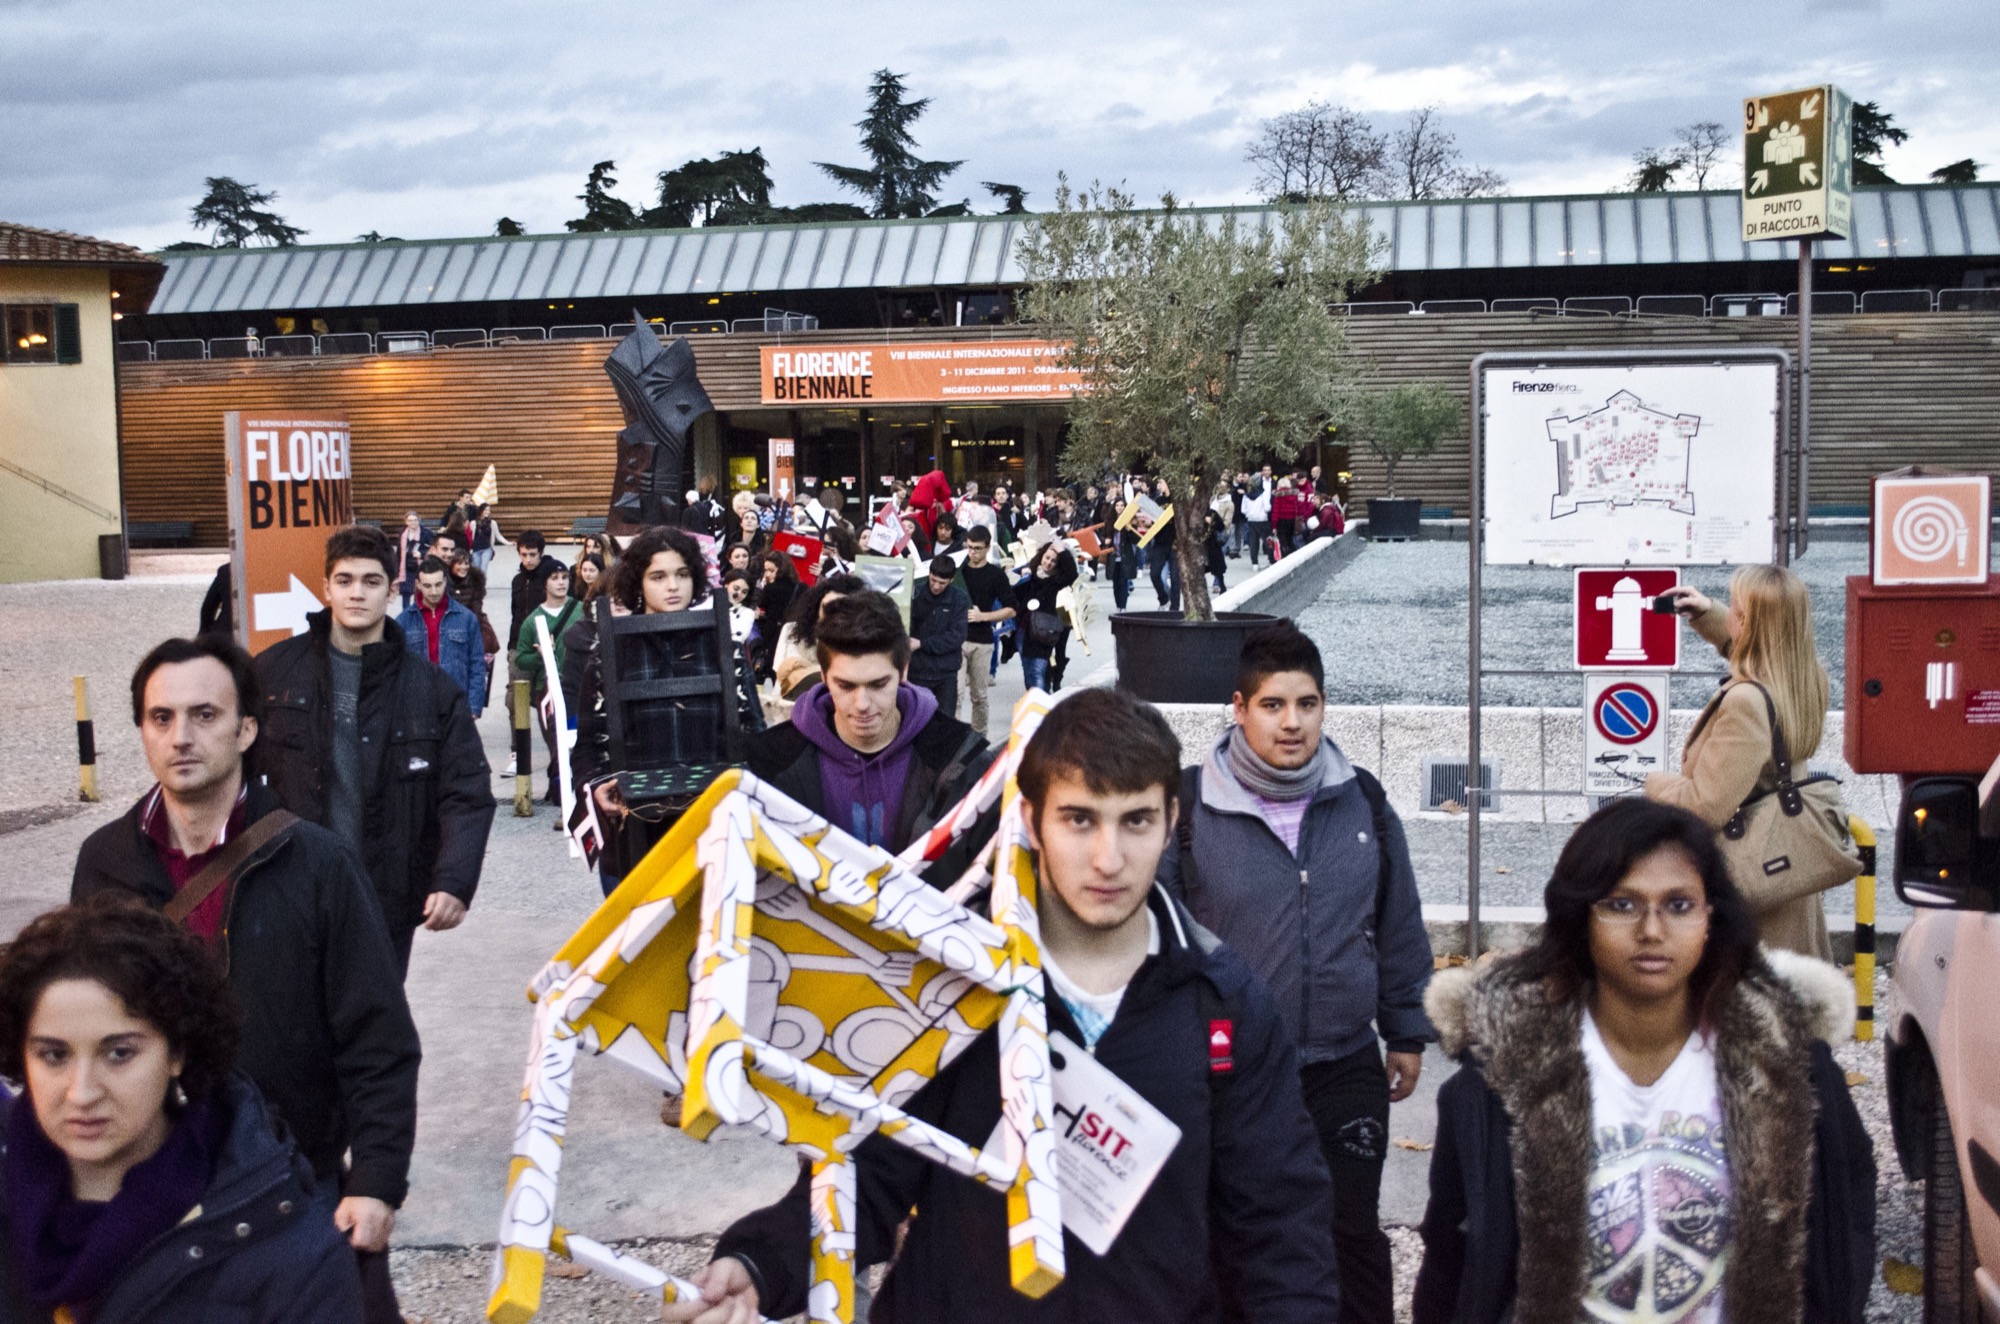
[1942, 221]
[135, 273]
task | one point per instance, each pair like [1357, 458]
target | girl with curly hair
[141, 1178]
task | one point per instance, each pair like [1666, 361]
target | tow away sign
[1798, 164]
[1624, 730]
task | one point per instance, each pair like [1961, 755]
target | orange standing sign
[288, 491]
[884, 372]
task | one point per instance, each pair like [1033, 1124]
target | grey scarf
[1269, 783]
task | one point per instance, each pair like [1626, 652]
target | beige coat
[1724, 762]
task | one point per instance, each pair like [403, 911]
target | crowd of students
[1646, 1120]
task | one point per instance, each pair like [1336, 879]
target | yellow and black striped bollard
[86, 741]
[524, 752]
[1864, 931]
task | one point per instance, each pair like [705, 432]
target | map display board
[1640, 463]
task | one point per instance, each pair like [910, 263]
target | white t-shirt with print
[1093, 1012]
[1659, 1216]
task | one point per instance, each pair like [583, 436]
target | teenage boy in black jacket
[327, 1035]
[1236, 1224]
[378, 745]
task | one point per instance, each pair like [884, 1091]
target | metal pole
[1474, 536]
[1805, 393]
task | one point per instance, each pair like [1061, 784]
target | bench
[593, 526]
[160, 533]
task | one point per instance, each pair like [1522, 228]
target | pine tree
[896, 182]
[601, 211]
[235, 212]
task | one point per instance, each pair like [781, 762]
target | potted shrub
[1400, 423]
[1203, 344]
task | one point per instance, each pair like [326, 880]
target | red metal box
[1923, 677]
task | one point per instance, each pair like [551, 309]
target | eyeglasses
[1676, 912]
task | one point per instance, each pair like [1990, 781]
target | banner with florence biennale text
[288, 491]
[932, 373]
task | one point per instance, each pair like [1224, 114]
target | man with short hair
[939, 610]
[992, 599]
[327, 1035]
[866, 749]
[1234, 1225]
[530, 585]
[1292, 855]
[445, 633]
[378, 745]
[463, 506]
[1258, 494]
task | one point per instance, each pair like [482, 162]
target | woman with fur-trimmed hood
[1648, 1124]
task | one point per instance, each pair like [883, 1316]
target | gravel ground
[1416, 593]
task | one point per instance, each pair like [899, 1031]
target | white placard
[1110, 1144]
[1624, 730]
[1642, 463]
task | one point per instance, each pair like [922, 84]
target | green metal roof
[1608, 229]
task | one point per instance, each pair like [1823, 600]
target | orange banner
[930, 373]
[288, 490]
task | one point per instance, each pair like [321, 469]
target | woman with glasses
[141, 1179]
[1766, 633]
[1648, 1122]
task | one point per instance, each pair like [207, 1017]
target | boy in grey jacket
[1292, 856]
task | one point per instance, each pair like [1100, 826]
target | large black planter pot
[1394, 517]
[1165, 659]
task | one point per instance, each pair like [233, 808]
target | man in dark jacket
[378, 745]
[1299, 864]
[327, 1035]
[1234, 1225]
[866, 749]
[939, 610]
[531, 583]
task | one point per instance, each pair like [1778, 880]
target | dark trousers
[1260, 533]
[1349, 1102]
[1121, 579]
[1161, 554]
[378, 1292]
[946, 689]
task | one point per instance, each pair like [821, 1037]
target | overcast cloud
[423, 118]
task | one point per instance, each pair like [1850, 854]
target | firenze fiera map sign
[884, 373]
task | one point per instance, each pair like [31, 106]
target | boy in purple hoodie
[865, 748]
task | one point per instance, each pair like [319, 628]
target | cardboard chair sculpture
[780, 975]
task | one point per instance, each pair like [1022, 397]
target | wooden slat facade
[1888, 390]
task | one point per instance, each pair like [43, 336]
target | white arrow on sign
[286, 611]
[1809, 107]
[1808, 173]
[1760, 181]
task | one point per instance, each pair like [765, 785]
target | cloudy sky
[425, 118]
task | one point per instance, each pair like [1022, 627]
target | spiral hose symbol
[1930, 528]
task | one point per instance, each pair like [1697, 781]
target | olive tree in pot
[1402, 422]
[1203, 343]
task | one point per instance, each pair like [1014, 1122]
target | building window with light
[41, 333]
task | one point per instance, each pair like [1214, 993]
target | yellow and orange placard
[289, 488]
[886, 373]
[779, 975]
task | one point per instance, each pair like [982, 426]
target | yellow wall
[59, 421]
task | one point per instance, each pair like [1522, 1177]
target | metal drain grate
[1444, 782]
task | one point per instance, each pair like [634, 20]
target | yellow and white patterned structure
[779, 975]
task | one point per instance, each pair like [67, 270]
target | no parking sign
[1624, 730]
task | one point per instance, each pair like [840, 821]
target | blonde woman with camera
[1766, 634]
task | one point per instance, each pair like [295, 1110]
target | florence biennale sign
[880, 372]
[288, 490]
[1798, 164]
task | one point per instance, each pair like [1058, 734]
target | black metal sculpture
[661, 397]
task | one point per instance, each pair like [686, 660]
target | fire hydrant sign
[1932, 529]
[1616, 626]
[1624, 731]
[288, 491]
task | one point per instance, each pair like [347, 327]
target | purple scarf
[70, 1250]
